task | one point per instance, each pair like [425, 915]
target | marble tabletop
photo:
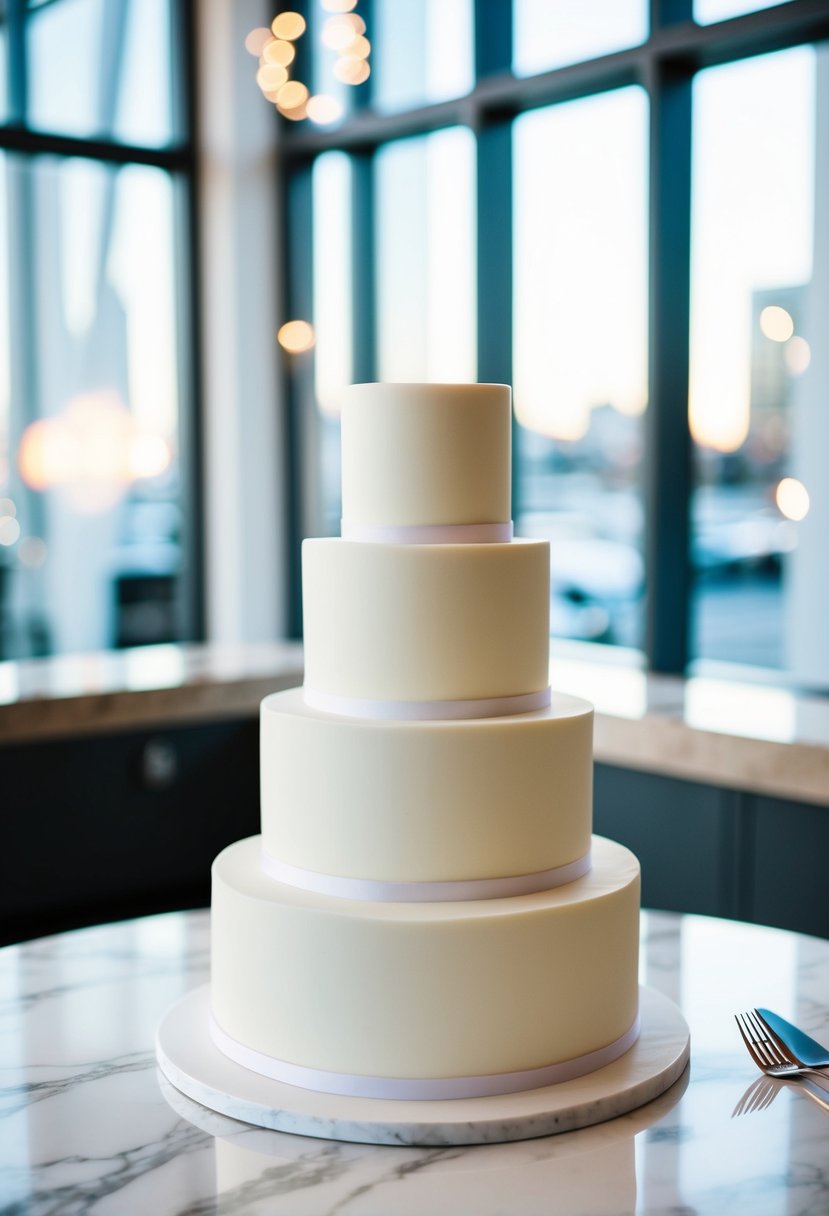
[89, 1126]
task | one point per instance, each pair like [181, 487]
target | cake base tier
[189, 1060]
[424, 991]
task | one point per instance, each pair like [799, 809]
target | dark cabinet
[719, 852]
[122, 824]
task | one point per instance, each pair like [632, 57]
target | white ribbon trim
[375, 891]
[356, 1086]
[428, 534]
[422, 711]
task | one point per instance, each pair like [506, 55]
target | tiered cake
[423, 915]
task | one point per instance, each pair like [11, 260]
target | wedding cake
[425, 914]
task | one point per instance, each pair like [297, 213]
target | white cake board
[190, 1061]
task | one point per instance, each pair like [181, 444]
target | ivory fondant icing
[370, 799]
[425, 913]
[407, 990]
[417, 454]
[426, 622]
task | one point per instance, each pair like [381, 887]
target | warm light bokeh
[324, 109]
[93, 450]
[350, 70]
[296, 337]
[292, 95]
[776, 323]
[792, 498]
[798, 355]
[338, 33]
[271, 76]
[280, 52]
[359, 48]
[289, 26]
[296, 114]
[257, 40]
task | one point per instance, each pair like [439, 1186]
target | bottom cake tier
[423, 990]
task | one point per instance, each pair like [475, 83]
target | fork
[769, 1053]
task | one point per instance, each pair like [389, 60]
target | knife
[808, 1050]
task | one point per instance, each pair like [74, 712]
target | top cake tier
[425, 455]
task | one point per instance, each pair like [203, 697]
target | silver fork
[769, 1053]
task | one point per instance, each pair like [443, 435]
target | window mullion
[301, 440]
[493, 55]
[667, 470]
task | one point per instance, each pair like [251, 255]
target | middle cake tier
[425, 802]
[424, 623]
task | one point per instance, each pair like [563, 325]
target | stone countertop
[750, 736]
[88, 1125]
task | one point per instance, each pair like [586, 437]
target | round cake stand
[189, 1060]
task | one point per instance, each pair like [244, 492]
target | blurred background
[619, 208]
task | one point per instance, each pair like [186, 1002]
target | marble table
[88, 1125]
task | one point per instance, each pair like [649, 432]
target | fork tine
[770, 1046]
[770, 1094]
[787, 1056]
[749, 1100]
[748, 1039]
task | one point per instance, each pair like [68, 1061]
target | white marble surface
[88, 1125]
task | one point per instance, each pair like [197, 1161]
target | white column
[245, 516]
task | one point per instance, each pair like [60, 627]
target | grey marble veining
[88, 1125]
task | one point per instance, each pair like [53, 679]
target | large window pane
[102, 68]
[425, 258]
[423, 52]
[581, 352]
[551, 33]
[759, 374]
[91, 517]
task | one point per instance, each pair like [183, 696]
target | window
[646, 215]
[755, 307]
[97, 538]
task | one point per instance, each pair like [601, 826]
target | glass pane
[102, 68]
[91, 523]
[550, 33]
[426, 258]
[423, 52]
[759, 373]
[332, 318]
[708, 11]
[580, 344]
